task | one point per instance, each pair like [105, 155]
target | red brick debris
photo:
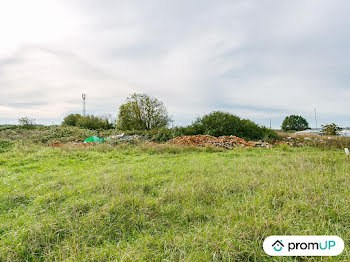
[227, 142]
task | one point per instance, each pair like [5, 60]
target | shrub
[269, 134]
[71, 120]
[160, 135]
[193, 129]
[88, 122]
[94, 122]
[330, 129]
[215, 124]
[224, 124]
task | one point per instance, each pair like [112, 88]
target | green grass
[163, 203]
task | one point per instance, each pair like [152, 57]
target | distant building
[318, 131]
[345, 132]
[314, 131]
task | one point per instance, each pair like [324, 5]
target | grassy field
[162, 203]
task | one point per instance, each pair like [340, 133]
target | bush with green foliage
[219, 124]
[294, 123]
[94, 122]
[225, 124]
[71, 120]
[330, 129]
[215, 124]
[89, 121]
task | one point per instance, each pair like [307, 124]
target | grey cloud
[259, 59]
[25, 105]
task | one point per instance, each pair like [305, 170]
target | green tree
[294, 123]
[26, 122]
[142, 112]
[330, 129]
[71, 120]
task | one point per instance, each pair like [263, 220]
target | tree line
[143, 114]
[146, 115]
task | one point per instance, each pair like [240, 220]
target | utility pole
[83, 96]
[315, 117]
[270, 123]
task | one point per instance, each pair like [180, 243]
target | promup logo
[303, 245]
[277, 246]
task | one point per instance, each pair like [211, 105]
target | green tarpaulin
[94, 139]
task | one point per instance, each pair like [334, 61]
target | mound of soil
[227, 142]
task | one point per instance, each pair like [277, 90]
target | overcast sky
[256, 59]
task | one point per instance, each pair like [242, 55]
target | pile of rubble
[227, 142]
